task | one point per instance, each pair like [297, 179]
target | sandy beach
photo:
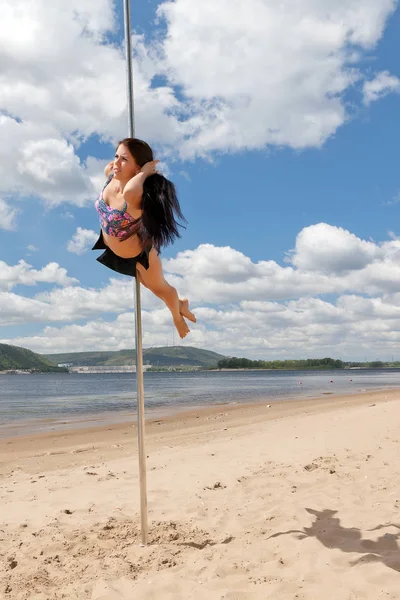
[293, 500]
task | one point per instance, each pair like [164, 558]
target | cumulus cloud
[71, 303]
[101, 335]
[347, 328]
[278, 78]
[24, 274]
[279, 70]
[329, 249]
[47, 165]
[383, 84]
[326, 260]
[82, 240]
[62, 82]
[261, 309]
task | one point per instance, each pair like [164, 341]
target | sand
[299, 500]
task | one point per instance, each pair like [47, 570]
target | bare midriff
[126, 249]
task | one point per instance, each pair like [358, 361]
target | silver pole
[129, 69]
[138, 319]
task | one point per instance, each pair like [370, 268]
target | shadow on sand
[328, 531]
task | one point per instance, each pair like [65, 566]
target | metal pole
[129, 69]
[138, 319]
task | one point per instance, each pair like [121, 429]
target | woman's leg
[183, 305]
[153, 279]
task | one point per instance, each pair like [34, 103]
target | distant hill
[16, 358]
[167, 356]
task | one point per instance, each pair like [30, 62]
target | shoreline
[192, 419]
[295, 499]
[22, 428]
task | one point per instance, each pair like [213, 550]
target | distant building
[107, 369]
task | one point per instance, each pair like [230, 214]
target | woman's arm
[109, 168]
[133, 190]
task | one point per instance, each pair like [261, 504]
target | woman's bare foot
[181, 326]
[184, 310]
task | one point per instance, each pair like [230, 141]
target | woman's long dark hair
[161, 210]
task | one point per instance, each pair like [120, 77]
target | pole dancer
[138, 208]
[139, 212]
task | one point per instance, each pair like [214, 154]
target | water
[30, 403]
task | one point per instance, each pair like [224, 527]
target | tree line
[309, 363]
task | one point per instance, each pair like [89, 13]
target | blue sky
[280, 129]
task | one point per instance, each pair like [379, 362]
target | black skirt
[125, 266]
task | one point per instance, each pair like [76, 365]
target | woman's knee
[153, 278]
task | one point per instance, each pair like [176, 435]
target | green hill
[14, 357]
[169, 356]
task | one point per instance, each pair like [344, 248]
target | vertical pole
[138, 312]
[129, 69]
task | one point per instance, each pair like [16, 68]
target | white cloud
[383, 84]
[62, 82]
[82, 240]
[101, 335]
[16, 309]
[326, 260]
[67, 215]
[70, 303]
[351, 328]
[329, 249]
[24, 274]
[266, 73]
[32, 248]
[8, 216]
[47, 165]
[258, 309]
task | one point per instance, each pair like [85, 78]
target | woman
[138, 209]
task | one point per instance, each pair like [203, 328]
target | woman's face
[125, 166]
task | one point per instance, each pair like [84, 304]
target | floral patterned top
[114, 222]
